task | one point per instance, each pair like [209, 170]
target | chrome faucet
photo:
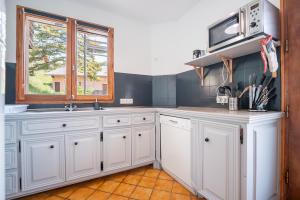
[70, 107]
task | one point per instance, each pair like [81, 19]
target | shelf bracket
[200, 73]
[228, 64]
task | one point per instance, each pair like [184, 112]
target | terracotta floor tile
[63, 192]
[117, 177]
[124, 189]
[152, 173]
[81, 193]
[180, 197]
[160, 195]
[138, 171]
[141, 193]
[165, 176]
[109, 186]
[99, 195]
[164, 185]
[147, 182]
[54, 198]
[138, 184]
[40, 196]
[95, 183]
[178, 188]
[132, 179]
[117, 197]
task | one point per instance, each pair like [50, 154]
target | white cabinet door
[143, 147]
[11, 182]
[43, 161]
[83, 154]
[266, 163]
[116, 149]
[220, 160]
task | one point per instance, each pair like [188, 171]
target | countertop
[241, 116]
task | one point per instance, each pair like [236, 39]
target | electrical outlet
[126, 101]
[222, 99]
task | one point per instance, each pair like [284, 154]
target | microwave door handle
[242, 21]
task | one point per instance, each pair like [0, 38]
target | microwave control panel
[254, 18]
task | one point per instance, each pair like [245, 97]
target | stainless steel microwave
[259, 17]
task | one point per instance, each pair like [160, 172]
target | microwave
[259, 17]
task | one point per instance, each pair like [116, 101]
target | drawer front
[60, 124]
[11, 182]
[116, 120]
[143, 118]
[10, 132]
[11, 153]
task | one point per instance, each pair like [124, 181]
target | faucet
[70, 107]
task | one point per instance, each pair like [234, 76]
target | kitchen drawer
[11, 182]
[11, 153]
[116, 120]
[10, 132]
[143, 118]
[60, 124]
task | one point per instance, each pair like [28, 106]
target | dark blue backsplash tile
[183, 89]
[191, 93]
[10, 87]
[164, 91]
[138, 87]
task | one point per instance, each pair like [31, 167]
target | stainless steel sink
[60, 109]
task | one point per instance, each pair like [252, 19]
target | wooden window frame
[71, 82]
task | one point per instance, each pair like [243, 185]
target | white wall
[132, 38]
[139, 48]
[172, 44]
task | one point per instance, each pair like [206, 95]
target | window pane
[92, 75]
[46, 44]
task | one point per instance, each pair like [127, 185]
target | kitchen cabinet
[43, 161]
[220, 160]
[143, 144]
[11, 157]
[116, 149]
[10, 132]
[63, 148]
[11, 182]
[82, 154]
[116, 120]
[42, 126]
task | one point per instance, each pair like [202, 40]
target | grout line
[77, 186]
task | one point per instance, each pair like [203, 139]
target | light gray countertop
[241, 116]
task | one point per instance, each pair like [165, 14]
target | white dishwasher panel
[176, 147]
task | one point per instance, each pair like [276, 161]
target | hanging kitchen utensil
[269, 50]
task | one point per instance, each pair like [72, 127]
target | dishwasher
[176, 147]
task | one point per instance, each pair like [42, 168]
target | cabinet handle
[144, 118]
[51, 146]
[64, 125]
[75, 143]
[206, 139]
[140, 134]
[118, 121]
[124, 137]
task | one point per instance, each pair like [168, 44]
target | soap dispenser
[96, 105]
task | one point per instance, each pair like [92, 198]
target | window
[61, 59]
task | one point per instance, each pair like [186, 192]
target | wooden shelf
[234, 51]
[227, 54]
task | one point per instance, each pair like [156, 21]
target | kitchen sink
[60, 109]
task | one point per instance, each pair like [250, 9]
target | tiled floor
[141, 184]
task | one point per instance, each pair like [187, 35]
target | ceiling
[150, 11]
